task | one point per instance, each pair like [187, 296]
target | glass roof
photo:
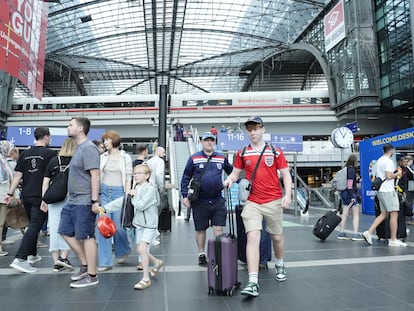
[133, 46]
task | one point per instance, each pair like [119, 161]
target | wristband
[94, 201]
[9, 194]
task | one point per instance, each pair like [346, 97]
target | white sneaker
[396, 243]
[367, 237]
[155, 242]
[7, 242]
[22, 266]
[3, 253]
[32, 259]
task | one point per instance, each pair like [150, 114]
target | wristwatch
[94, 201]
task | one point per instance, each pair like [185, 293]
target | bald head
[160, 152]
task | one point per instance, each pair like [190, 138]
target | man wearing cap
[206, 166]
[266, 200]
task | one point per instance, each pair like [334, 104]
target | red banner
[23, 27]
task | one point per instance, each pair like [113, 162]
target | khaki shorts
[272, 212]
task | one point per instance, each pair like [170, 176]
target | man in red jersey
[266, 200]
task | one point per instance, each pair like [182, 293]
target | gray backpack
[340, 181]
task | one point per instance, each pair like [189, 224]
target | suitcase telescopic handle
[229, 207]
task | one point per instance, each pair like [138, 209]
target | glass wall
[392, 19]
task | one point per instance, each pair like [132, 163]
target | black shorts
[209, 212]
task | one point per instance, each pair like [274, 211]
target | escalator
[179, 152]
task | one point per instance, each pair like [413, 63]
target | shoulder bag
[195, 185]
[245, 185]
[58, 187]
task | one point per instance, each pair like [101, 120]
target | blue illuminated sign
[22, 136]
[237, 140]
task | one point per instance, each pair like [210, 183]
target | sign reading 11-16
[237, 140]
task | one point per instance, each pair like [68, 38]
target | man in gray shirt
[77, 224]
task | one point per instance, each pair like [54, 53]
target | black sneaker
[64, 263]
[57, 268]
[202, 260]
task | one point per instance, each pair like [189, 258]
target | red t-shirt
[266, 185]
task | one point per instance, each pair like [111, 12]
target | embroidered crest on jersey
[248, 162]
[269, 160]
[201, 165]
[219, 166]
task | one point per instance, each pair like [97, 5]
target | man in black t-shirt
[31, 167]
[142, 154]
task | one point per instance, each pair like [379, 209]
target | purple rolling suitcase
[222, 261]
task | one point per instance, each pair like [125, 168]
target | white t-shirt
[157, 166]
[385, 164]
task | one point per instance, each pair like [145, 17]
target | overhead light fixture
[85, 19]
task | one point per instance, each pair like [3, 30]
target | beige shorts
[272, 212]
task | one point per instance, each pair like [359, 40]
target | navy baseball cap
[208, 135]
[255, 120]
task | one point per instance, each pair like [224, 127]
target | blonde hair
[68, 147]
[145, 168]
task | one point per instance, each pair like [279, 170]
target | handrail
[326, 202]
[173, 175]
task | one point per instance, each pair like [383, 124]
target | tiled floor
[330, 275]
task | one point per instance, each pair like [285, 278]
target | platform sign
[236, 141]
[353, 127]
[232, 140]
[288, 143]
[22, 136]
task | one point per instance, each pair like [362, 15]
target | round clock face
[342, 137]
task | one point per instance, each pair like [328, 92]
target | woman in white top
[116, 172]
[6, 175]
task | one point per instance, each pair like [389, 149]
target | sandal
[143, 284]
[156, 269]
[140, 267]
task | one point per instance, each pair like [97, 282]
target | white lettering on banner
[10, 40]
[22, 19]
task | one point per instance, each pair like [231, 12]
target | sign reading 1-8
[25, 131]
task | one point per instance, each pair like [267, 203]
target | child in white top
[145, 200]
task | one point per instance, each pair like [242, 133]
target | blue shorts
[209, 212]
[347, 197]
[77, 221]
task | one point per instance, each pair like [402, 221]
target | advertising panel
[23, 26]
[370, 151]
[334, 26]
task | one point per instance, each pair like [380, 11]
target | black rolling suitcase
[164, 220]
[383, 229]
[327, 223]
[222, 261]
[265, 241]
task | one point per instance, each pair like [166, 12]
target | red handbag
[106, 226]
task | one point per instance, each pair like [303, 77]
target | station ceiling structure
[108, 47]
